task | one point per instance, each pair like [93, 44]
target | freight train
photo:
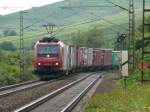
[53, 57]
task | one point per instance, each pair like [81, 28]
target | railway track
[63, 99]
[16, 85]
[8, 90]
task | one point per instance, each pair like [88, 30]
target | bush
[28, 76]
[8, 46]
[10, 71]
[9, 33]
[7, 79]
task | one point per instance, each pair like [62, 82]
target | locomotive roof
[49, 39]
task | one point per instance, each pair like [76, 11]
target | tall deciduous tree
[91, 38]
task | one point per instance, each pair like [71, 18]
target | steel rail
[74, 102]
[16, 85]
[47, 97]
[18, 88]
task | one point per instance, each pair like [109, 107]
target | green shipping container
[115, 58]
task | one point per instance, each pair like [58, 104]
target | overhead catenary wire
[39, 21]
[28, 27]
[33, 24]
[8, 28]
[72, 25]
[68, 25]
[121, 7]
[103, 19]
[110, 22]
[88, 6]
[15, 28]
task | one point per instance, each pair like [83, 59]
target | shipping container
[90, 57]
[97, 55]
[86, 56]
[80, 56]
[116, 58]
[66, 56]
[73, 57]
[124, 62]
[107, 54]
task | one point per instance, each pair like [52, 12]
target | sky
[9, 6]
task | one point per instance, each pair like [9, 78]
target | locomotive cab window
[48, 50]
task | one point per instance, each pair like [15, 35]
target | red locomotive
[54, 56]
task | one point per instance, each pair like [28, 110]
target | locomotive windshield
[51, 50]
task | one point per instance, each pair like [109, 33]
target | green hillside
[55, 14]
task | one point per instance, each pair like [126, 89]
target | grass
[134, 99]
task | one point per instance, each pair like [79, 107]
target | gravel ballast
[12, 102]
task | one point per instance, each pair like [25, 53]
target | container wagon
[116, 59]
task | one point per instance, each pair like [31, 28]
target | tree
[8, 46]
[9, 33]
[91, 38]
[147, 28]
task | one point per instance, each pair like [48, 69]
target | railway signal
[121, 41]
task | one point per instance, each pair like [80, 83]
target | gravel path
[108, 83]
[59, 102]
[21, 98]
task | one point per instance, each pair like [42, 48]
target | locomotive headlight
[57, 63]
[39, 64]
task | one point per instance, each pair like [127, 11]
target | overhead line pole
[145, 51]
[131, 35]
[131, 46]
[143, 35]
[22, 50]
[21, 44]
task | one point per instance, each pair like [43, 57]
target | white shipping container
[90, 56]
[73, 57]
[66, 55]
[86, 57]
[124, 61]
